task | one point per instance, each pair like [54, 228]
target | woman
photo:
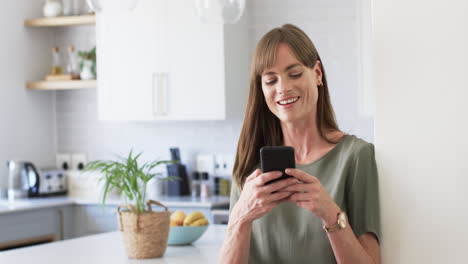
[301, 219]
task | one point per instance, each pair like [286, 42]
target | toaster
[52, 182]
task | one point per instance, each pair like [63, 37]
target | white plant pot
[86, 73]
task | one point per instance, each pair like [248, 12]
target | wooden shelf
[61, 21]
[61, 85]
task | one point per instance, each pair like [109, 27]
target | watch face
[342, 220]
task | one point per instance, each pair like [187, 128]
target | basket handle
[150, 202]
[132, 208]
[134, 211]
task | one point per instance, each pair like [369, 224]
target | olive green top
[291, 234]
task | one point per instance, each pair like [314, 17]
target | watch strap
[331, 228]
[334, 227]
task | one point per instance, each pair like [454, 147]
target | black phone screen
[277, 158]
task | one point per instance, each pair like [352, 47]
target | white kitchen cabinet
[125, 52]
[31, 227]
[160, 62]
[93, 219]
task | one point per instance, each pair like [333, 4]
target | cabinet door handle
[155, 93]
[164, 100]
[159, 96]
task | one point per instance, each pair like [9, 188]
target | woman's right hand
[257, 199]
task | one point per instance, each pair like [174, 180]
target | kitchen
[368, 72]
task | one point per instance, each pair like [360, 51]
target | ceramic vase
[86, 71]
[52, 8]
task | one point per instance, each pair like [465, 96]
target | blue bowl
[185, 235]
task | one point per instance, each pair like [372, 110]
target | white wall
[421, 80]
[27, 121]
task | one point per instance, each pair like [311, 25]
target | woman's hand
[311, 195]
[257, 199]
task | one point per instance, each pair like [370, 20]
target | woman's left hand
[311, 195]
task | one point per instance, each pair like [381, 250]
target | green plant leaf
[128, 176]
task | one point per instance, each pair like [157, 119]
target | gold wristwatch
[340, 223]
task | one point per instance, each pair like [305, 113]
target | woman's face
[290, 88]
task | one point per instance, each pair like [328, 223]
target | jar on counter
[196, 188]
[217, 186]
[205, 186]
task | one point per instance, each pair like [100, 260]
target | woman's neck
[304, 137]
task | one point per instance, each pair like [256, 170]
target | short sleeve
[363, 193]
[235, 193]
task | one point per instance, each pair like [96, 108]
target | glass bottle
[72, 65]
[56, 68]
[205, 188]
[88, 9]
[196, 184]
[76, 7]
[217, 186]
[67, 7]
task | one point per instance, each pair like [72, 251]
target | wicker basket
[144, 235]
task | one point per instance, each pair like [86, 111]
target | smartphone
[277, 158]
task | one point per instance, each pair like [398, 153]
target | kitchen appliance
[179, 187]
[23, 180]
[52, 182]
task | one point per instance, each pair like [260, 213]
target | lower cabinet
[19, 229]
[94, 219]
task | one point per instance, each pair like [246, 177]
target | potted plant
[88, 64]
[144, 232]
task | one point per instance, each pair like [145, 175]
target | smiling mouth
[288, 101]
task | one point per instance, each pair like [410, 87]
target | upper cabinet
[160, 62]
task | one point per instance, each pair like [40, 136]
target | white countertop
[30, 204]
[108, 248]
[180, 201]
[37, 203]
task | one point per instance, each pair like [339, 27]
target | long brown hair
[261, 127]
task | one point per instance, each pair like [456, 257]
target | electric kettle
[23, 180]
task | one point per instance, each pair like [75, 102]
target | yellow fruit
[173, 223]
[178, 217]
[200, 222]
[191, 218]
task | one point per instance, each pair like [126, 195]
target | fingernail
[287, 170]
[279, 173]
